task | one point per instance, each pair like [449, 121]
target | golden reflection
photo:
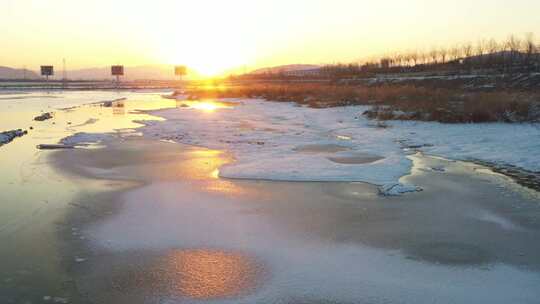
[211, 274]
[203, 165]
[207, 105]
[200, 274]
[119, 110]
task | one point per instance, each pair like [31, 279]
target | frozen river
[245, 201]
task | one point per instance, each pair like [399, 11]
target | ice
[8, 136]
[82, 139]
[512, 144]
[303, 267]
[60, 300]
[269, 140]
[497, 220]
[397, 189]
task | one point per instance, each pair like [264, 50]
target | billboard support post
[179, 71]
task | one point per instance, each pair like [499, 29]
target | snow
[84, 139]
[397, 189]
[8, 136]
[266, 138]
[268, 141]
[511, 144]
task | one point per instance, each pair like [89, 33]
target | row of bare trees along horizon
[514, 54]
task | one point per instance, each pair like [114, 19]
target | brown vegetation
[401, 102]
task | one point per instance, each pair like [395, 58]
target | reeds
[393, 101]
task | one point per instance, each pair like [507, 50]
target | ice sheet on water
[397, 189]
[267, 140]
[513, 144]
[81, 139]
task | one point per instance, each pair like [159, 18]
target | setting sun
[205, 57]
[221, 37]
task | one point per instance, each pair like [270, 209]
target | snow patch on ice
[84, 139]
[513, 144]
[269, 140]
[397, 189]
[273, 147]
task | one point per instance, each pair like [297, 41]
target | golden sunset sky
[216, 36]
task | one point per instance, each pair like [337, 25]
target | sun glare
[207, 49]
[205, 106]
[206, 64]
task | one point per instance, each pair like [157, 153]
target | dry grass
[404, 102]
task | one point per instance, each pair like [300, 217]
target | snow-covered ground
[512, 144]
[282, 141]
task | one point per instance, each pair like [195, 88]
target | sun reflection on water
[211, 274]
[203, 165]
[200, 274]
[206, 105]
[215, 174]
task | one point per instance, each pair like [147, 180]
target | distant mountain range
[148, 72]
[11, 73]
[285, 68]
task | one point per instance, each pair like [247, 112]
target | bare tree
[434, 56]
[529, 48]
[444, 54]
[423, 57]
[467, 49]
[414, 57]
[409, 59]
[513, 45]
[493, 47]
[398, 58]
[481, 51]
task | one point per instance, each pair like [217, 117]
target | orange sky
[216, 36]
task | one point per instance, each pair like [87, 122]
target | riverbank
[390, 101]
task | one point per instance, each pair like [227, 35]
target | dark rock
[43, 117]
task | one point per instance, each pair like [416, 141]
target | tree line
[512, 54]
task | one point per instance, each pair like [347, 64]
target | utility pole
[64, 73]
